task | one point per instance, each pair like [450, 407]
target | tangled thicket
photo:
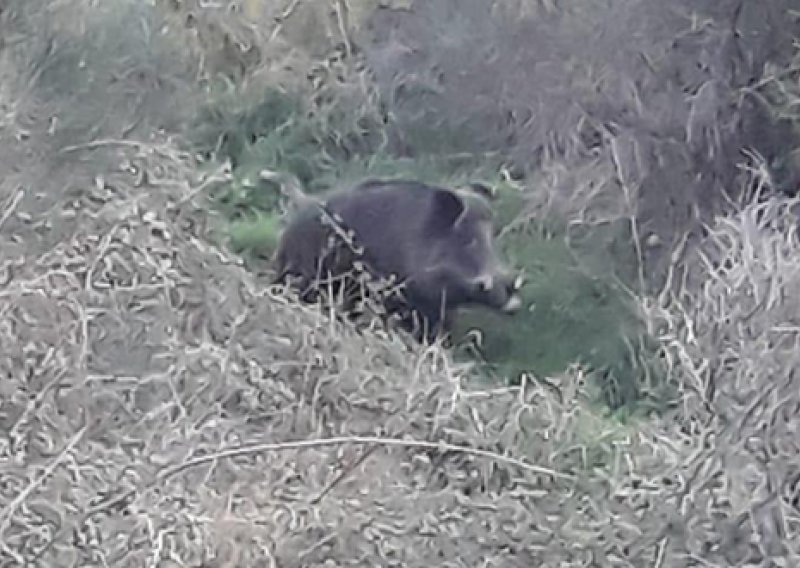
[162, 406]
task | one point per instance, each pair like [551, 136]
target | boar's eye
[485, 285]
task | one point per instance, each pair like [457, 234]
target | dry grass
[162, 406]
[153, 389]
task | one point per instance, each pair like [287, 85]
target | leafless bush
[661, 90]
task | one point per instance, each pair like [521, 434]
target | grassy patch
[262, 233]
[324, 148]
[578, 308]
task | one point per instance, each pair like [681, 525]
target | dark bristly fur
[434, 241]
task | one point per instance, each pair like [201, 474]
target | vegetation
[164, 406]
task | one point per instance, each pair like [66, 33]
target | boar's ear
[447, 207]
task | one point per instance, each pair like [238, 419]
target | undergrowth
[161, 404]
[580, 286]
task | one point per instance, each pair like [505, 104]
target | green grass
[261, 233]
[577, 306]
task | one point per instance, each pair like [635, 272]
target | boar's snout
[501, 291]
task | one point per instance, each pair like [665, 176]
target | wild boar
[435, 242]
